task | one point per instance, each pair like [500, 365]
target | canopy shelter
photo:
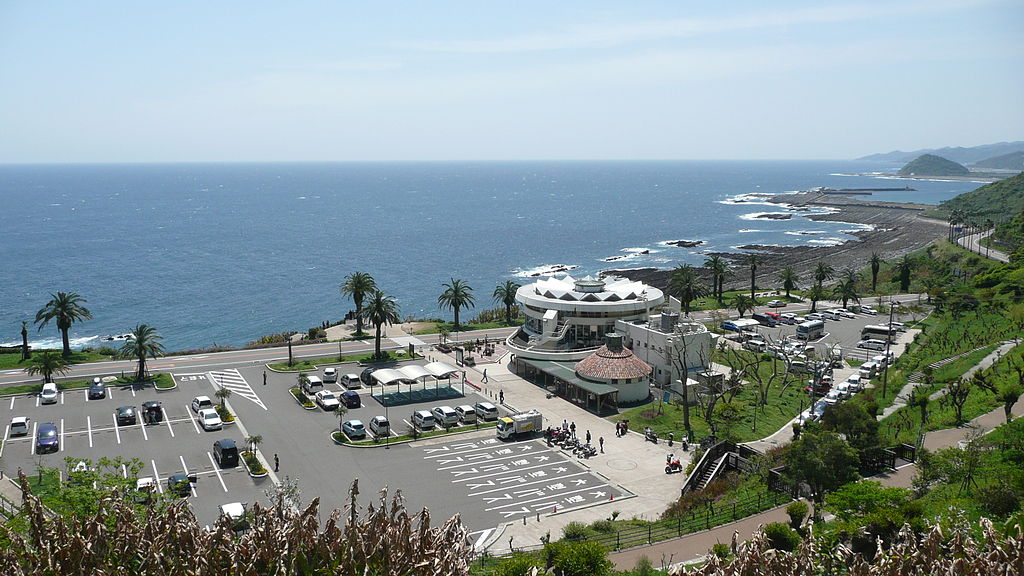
[410, 375]
[561, 378]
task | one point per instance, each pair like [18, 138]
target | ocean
[221, 254]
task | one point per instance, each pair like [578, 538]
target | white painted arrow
[475, 486]
[461, 446]
[450, 460]
[544, 505]
[490, 467]
[479, 457]
[438, 449]
[523, 510]
[511, 479]
[462, 472]
[532, 492]
[493, 499]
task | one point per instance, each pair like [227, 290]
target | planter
[167, 389]
[245, 463]
[301, 402]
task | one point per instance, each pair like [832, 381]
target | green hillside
[998, 200]
[931, 165]
[1011, 161]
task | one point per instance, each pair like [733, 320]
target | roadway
[972, 242]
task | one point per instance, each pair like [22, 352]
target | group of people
[621, 428]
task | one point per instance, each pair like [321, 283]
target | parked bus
[739, 324]
[765, 319]
[878, 332]
[810, 330]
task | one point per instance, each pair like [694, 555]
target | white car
[813, 316]
[868, 310]
[854, 384]
[351, 381]
[833, 397]
[330, 375]
[49, 393]
[788, 318]
[201, 403]
[445, 415]
[19, 426]
[776, 303]
[209, 419]
[327, 400]
[466, 413]
[831, 315]
[846, 313]
[872, 344]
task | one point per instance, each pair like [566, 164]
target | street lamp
[888, 344]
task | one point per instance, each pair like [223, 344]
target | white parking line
[88, 426]
[168, 420]
[457, 452]
[559, 495]
[37, 401]
[12, 402]
[547, 479]
[35, 430]
[124, 470]
[133, 390]
[489, 460]
[110, 392]
[156, 474]
[189, 410]
[143, 428]
[4, 443]
[117, 430]
[217, 470]
[185, 468]
[62, 398]
[500, 472]
[60, 445]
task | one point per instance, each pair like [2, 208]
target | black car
[152, 413]
[97, 390]
[126, 416]
[179, 484]
[365, 376]
[350, 398]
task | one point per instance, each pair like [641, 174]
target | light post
[388, 436]
[888, 345]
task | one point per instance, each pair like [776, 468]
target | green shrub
[721, 550]
[643, 567]
[578, 558]
[575, 531]
[517, 565]
[999, 499]
[797, 511]
[254, 464]
[781, 537]
[602, 526]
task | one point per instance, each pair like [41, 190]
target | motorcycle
[673, 465]
[651, 436]
[586, 451]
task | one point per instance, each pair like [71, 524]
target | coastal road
[972, 242]
[233, 358]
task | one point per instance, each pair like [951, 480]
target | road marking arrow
[523, 510]
[438, 449]
[490, 467]
[511, 479]
[479, 456]
[450, 460]
[531, 492]
[493, 499]
[462, 472]
[475, 486]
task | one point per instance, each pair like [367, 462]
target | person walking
[572, 429]
[600, 440]
[588, 436]
[501, 396]
[485, 377]
[264, 377]
[277, 463]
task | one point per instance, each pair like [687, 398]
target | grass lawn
[311, 364]
[77, 357]
[436, 328]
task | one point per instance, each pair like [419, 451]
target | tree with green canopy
[380, 310]
[456, 296]
[66, 308]
[505, 294]
[356, 286]
[142, 343]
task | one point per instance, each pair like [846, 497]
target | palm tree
[66, 308]
[846, 289]
[223, 394]
[876, 265]
[380, 310]
[46, 364]
[789, 280]
[752, 262]
[815, 295]
[505, 293]
[254, 441]
[684, 284]
[742, 303]
[144, 342]
[903, 269]
[356, 286]
[823, 272]
[719, 269]
[457, 295]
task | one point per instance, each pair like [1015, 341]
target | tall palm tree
[457, 295]
[719, 268]
[752, 262]
[684, 284]
[66, 308]
[876, 265]
[142, 343]
[742, 303]
[380, 310]
[815, 295]
[789, 279]
[254, 441]
[356, 286]
[823, 272]
[846, 289]
[903, 269]
[46, 364]
[505, 293]
[223, 394]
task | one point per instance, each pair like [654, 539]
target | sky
[128, 81]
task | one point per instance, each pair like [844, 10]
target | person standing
[588, 436]
[277, 463]
[600, 440]
[572, 429]
[501, 396]
[485, 375]
[264, 377]
[565, 425]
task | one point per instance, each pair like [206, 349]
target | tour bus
[739, 324]
[810, 330]
[764, 319]
[878, 332]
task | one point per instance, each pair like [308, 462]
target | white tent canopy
[414, 372]
[389, 376]
[439, 369]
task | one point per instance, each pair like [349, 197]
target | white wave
[805, 232]
[543, 270]
[860, 228]
[55, 343]
[827, 242]
[637, 250]
[747, 230]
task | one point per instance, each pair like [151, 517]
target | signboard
[666, 396]
[412, 350]
[458, 356]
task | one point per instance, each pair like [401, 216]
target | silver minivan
[379, 426]
[423, 420]
[466, 413]
[486, 411]
[351, 381]
[312, 385]
[330, 375]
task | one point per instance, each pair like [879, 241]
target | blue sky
[339, 81]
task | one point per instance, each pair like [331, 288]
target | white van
[486, 411]
[466, 413]
[854, 383]
[868, 370]
[423, 420]
[330, 375]
[756, 345]
[831, 315]
[379, 426]
[312, 385]
[351, 381]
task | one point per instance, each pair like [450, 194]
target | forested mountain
[1011, 161]
[931, 165]
[998, 200]
[957, 154]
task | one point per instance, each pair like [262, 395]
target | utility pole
[888, 345]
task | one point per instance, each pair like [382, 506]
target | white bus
[810, 330]
[878, 332]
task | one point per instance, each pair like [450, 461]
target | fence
[705, 518]
[7, 508]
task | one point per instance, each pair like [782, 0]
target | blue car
[47, 439]
[354, 429]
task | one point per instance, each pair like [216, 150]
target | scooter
[586, 451]
[651, 436]
[673, 465]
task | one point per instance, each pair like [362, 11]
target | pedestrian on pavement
[264, 377]
[588, 436]
[600, 441]
[618, 429]
[277, 463]
[485, 375]
[572, 428]
[501, 396]
[565, 425]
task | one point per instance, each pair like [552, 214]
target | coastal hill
[997, 200]
[959, 154]
[1011, 161]
[931, 165]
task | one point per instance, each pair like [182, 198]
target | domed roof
[612, 362]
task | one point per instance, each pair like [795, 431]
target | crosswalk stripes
[233, 380]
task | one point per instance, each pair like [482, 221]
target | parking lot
[88, 429]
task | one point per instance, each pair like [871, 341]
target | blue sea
[225, 253]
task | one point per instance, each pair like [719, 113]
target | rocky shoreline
[897, 229]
